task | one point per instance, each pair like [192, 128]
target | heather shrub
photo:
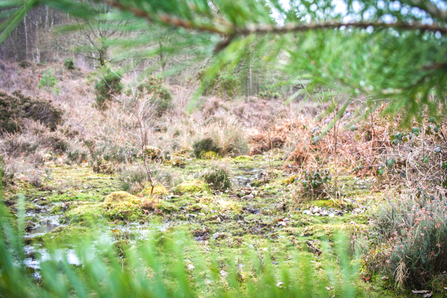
[109, 151]
[107, 86]
[160, 97]
[24, 170]
[25, 64]
[225, 85]
[218, 178]
[15, 108]
[268, 94]
[77, 155]
[103, 166]
[204, 145]
[69, 64]
[411, 239]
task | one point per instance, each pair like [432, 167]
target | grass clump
[222, 137]
[133, 179]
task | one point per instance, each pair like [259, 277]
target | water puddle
[247, 177]
[42, 221]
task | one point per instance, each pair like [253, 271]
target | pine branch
[435, 66]
[335, 25]
[430, 8]
[230, 30]
[176, 22]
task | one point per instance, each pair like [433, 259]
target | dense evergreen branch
[176, 22]
[430, 8]
[231, 30]
[334, 25]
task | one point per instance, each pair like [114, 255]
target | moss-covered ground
[265, 210]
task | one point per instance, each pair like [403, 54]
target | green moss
[290, 180]
[243, 158]
[123, 206]
[209, 155]
[83, 213]
[327, 203]
[192, 186]
[167, 207]
[74, 196]
[158, 190]
[64, 235]
[257, 183]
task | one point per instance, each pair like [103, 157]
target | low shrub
[205, 145]
[225, 85]
[268, 94]
[315, 183]
[158, 95]
[15, 108]
[109, 151]
[69, 64]
[410, 234]
[107, 86]
[218, 178]
[49, 82]
[25, 64]
[104, 167]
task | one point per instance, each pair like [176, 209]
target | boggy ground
[263, 209]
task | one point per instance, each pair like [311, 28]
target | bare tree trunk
[46, 18]
[250, 90]
[26, 37]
